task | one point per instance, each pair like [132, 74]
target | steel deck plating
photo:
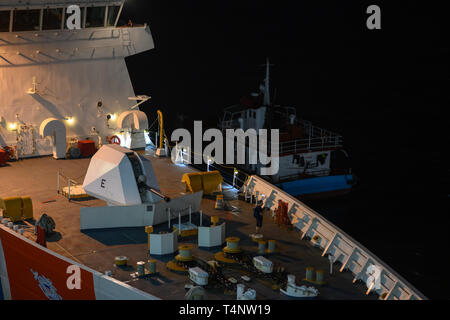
[97, 249]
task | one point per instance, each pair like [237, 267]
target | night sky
[384, 90]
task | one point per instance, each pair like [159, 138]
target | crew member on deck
[258, 214]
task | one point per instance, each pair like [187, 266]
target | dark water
[386, 93]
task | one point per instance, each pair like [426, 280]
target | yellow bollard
[320, 277]
[215, 220]
[184, 253]
[310, 274]
[271, 246]
[148, 230]
[261, 246]
[232, 245]
[152, 266]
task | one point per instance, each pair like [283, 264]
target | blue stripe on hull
[317, 185]
[1, 291]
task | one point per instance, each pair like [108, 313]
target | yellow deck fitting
[262, 246]
[214, 220]
[219, 202]
[310, 275]
[271, 248]
[152, 266]
[27, 208]
[121, 261]
[232, 245]
[220, 257]
[17, 208]
[173, 266]
[76, 192]
[184, 253]
[209, 182]
[148, 231]
[315, 276]
[187, 232]
[193, 181]
[320, 277]
[12, 208]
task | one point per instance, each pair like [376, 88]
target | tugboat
[312, 161]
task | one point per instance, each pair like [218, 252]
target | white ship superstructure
[312, 161]
[78, 78]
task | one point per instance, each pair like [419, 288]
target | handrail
[310, 144]
[317, 139]
[315, 174]
[311, 223]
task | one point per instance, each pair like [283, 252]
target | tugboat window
[95, 17]
[113, 11]
[52, 19]
[4, 21]
[26, 20]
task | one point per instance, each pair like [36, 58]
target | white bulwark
[78, 77]
[340, 247]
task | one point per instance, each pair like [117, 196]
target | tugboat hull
[319, 187]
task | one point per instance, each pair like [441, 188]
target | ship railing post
[201, 218]
[391, 290]
[179, 222]
[370, 287]
[330, 244]
[348, 260]
[57, 182]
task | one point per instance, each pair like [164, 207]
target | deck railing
[310, 144]
[339, 247]
[316, 138]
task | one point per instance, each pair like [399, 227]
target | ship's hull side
[29, 271]
[319, 186]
